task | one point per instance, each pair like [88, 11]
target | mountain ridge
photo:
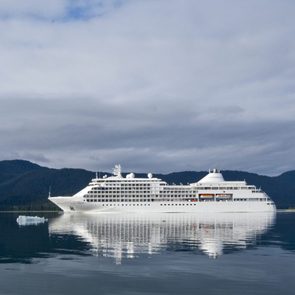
[25, 185]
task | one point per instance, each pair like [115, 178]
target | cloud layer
[155, 85]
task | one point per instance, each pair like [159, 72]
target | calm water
[149, 254]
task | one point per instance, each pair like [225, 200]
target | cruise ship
[133, 194]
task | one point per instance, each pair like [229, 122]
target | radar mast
[117, 170]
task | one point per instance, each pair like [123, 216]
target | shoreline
[50, 211]
[286, 210]
[29, 211]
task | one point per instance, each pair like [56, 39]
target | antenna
[95, 174]
[49, 192]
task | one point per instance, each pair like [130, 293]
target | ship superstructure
[132, 194]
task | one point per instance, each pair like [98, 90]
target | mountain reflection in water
[130, 235]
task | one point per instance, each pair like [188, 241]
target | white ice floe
[23, 220]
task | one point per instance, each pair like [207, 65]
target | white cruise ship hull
[211, 194]
[67, 204]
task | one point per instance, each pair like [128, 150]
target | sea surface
[148, 254]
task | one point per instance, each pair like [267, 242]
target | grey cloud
[41, 8]
[65, 135]
[154, 86]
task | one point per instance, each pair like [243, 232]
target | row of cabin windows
[115, 184]
[168, 192]
[249, 199]
[120, 200]
[133, 196]
[142, 193]
[107, 193]
[191, 204]
[227, 188]
[137, 196]
[127, 185]
[141, 190]
[135, 184]
[166, 189]
[167, 200]
[119, 191]
[125, 205]
[124, 181]
[138, 199]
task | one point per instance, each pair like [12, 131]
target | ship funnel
[214, 176]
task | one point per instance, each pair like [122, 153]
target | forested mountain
[25, 185]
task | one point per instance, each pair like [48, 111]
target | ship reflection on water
[129, 235]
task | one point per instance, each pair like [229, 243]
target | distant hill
[25, 185]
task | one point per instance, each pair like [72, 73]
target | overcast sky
[156, 85]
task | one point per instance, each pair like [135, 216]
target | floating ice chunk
[23, 220]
